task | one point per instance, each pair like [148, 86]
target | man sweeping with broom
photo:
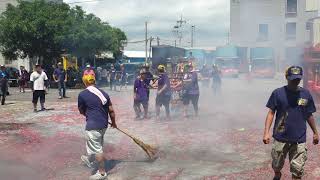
[96, 105]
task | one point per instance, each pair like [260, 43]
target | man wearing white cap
[89, 71]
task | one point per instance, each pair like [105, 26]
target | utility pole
[146, 39]
[177, 29]
[158, 41]
[192, 31]
[175, 43]
[150, 48]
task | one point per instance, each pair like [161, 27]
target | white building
[279, 24]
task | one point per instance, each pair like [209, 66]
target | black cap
[294, 72]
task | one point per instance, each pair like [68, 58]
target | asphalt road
[223, 143]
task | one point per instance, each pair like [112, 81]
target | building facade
[282, 25]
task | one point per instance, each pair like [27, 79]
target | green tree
[47, 29]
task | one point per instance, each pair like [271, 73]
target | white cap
[88, 66]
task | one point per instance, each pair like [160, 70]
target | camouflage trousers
[297, 157]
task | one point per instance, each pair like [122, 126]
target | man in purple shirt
[96, 106]
[164, 92]
[140, 91]
[60, 77]
[191, 90]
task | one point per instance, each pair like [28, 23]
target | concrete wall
[246, 15]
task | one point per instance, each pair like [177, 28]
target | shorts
[297, 157]
[144, 103]
[39, 94]
[194, 98]
[94, 141]
[163, 100]
[22, 82]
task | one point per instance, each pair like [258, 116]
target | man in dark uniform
[140, 90]
[149, 76]
[123, 77]
[112, 75]
[164, 92]
[60, 76]
[216, 79]
[3, 84]
[191, 90]
[293, 107]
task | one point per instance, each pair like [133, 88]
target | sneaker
[98, 176]
[85, 159]
[60, 97]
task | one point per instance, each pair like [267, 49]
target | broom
[151, 151]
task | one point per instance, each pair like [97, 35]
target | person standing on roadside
[123, 77]
[60, 76]
[89, 71]
[140, 91]
[149, 77]
[3, 84]
[164, 92]
[23, 78]
[39, 80]
[292, 106]
[112, 77]
[96, 106]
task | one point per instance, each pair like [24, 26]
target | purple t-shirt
[164, 80]
[141, 90]
[96, 113]
[193, 86]
[60, 74]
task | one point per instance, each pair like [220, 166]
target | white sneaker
[85, 159]
[98, 176]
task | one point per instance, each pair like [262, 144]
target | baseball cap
[161, 67]
[2, 65]
[88, 79]
[294, 72]
[88, 66]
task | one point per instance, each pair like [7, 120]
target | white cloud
[211, 18]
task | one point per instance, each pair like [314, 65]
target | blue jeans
[62, 89]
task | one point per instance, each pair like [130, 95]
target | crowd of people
[61, 78]
[186, 84]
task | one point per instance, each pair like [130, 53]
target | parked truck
[166, 54]
[262, 62]
[228, 61]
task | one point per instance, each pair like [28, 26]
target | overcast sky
[211, 18]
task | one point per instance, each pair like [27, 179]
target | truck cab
[229, 66]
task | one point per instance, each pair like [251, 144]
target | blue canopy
[226, 52]
[197, 53]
